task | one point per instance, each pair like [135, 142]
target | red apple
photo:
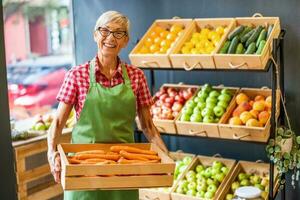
[167, 105]
[163, 97]
[179, 99]
[159, 103]
[187, 95]
[170, 100]
[156, 110]
[177, 106]
[169, 90]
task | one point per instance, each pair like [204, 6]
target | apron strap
[125, 74]
[92, 72]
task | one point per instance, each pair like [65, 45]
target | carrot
[103, 156]
[74, 161]
[90, 152]
[132, 150]
[112, 153]
[96, 160]
[125, 161]
[133, 155]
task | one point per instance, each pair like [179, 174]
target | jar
[247, 193]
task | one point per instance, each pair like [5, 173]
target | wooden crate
[242, 61]
[125, 176]
[35, 149]
[198, 61]
[242, 132]
[164, 125]
[156, 60]
[201, 128]
[207, 161]
[261, 169]
[146, 194]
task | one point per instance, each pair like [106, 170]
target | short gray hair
[113, 16]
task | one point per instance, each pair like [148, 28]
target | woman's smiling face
[110, 39]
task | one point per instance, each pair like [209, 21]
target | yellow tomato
[194, 40]
[185, 50]
[204, 31]
[194, 51]
[148, 42]
[189, 44]
[164, 34]
[180, 33]
[157, 41]
[220, 30]
[165, 43]
[171, 36]
[154, 48]
[176, 28]
[163, 49]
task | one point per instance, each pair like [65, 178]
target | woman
[106, 94]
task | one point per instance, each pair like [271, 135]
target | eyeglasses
[117, 34]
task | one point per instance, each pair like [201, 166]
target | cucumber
[225, 47]
[235, 32]
[247, 35]
[245, 31]
[239, 49]
[251, 48]
[261, 46]
[270, 28]
[262, 36]
[233, 45]
[254, 35]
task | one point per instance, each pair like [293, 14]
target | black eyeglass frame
[115, 33]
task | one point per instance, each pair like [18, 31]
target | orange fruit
[163, 34]
[171, 36]
[154, 48]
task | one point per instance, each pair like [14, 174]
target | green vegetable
[225, 47]
[261, 46]
[239, 49]
[235, 32]
[247, 35]
[233, 45]
[245, 31]
[262, 36]
[254, 35]
[251, 48]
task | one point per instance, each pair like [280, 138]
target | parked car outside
[33, 84]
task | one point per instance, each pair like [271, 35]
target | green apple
[191, 193]
[190, 103]
[192, 186]
[207, 112]
[217, 119]
[212, 187]
[259, 186]
[210, 105]
[217, 164]
[219, 111]
[223, 104]
[224, 97]
[196, 117]
[199, 168]
[185, 117]
[202, 186]
[206, 88]
[256, 179]
[40, 126]
[229, 196]
[209, 195]
[264, 182]
[180, 190]
[220, 177]
[214, 94]
[235, 185]
[187, 110]
[226, 91]
[245, 182]
[242, 176]
[208, 119]
[202, 96]
[187, 160]
[215, 171]
[207, 172]
[211, 100]
[197, 110]
[200, 194]
[225, 170]
[201, 105]
[182, 168]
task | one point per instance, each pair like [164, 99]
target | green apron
[107, 117]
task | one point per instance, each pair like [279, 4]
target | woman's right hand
[55, 165]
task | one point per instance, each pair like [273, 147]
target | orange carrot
[130, 156]
[103, 156]
[132, 150]
[74, 161]
[90, 152]
[125, 161]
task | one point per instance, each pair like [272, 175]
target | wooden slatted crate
[207, 161]
[155, 193]
[260, 169]
[242, 132]
[253, 61]
[201, 128]
[34, 179]
[156, 60]
[199, 61]
[114, 176]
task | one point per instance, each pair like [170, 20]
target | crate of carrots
[114, 166]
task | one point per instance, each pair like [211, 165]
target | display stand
[278, 45]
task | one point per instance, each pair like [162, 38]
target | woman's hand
[55, 165]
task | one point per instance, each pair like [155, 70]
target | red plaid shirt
[76, 84]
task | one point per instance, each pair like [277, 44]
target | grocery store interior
[42, 40]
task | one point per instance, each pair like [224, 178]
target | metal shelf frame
[278, 56]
